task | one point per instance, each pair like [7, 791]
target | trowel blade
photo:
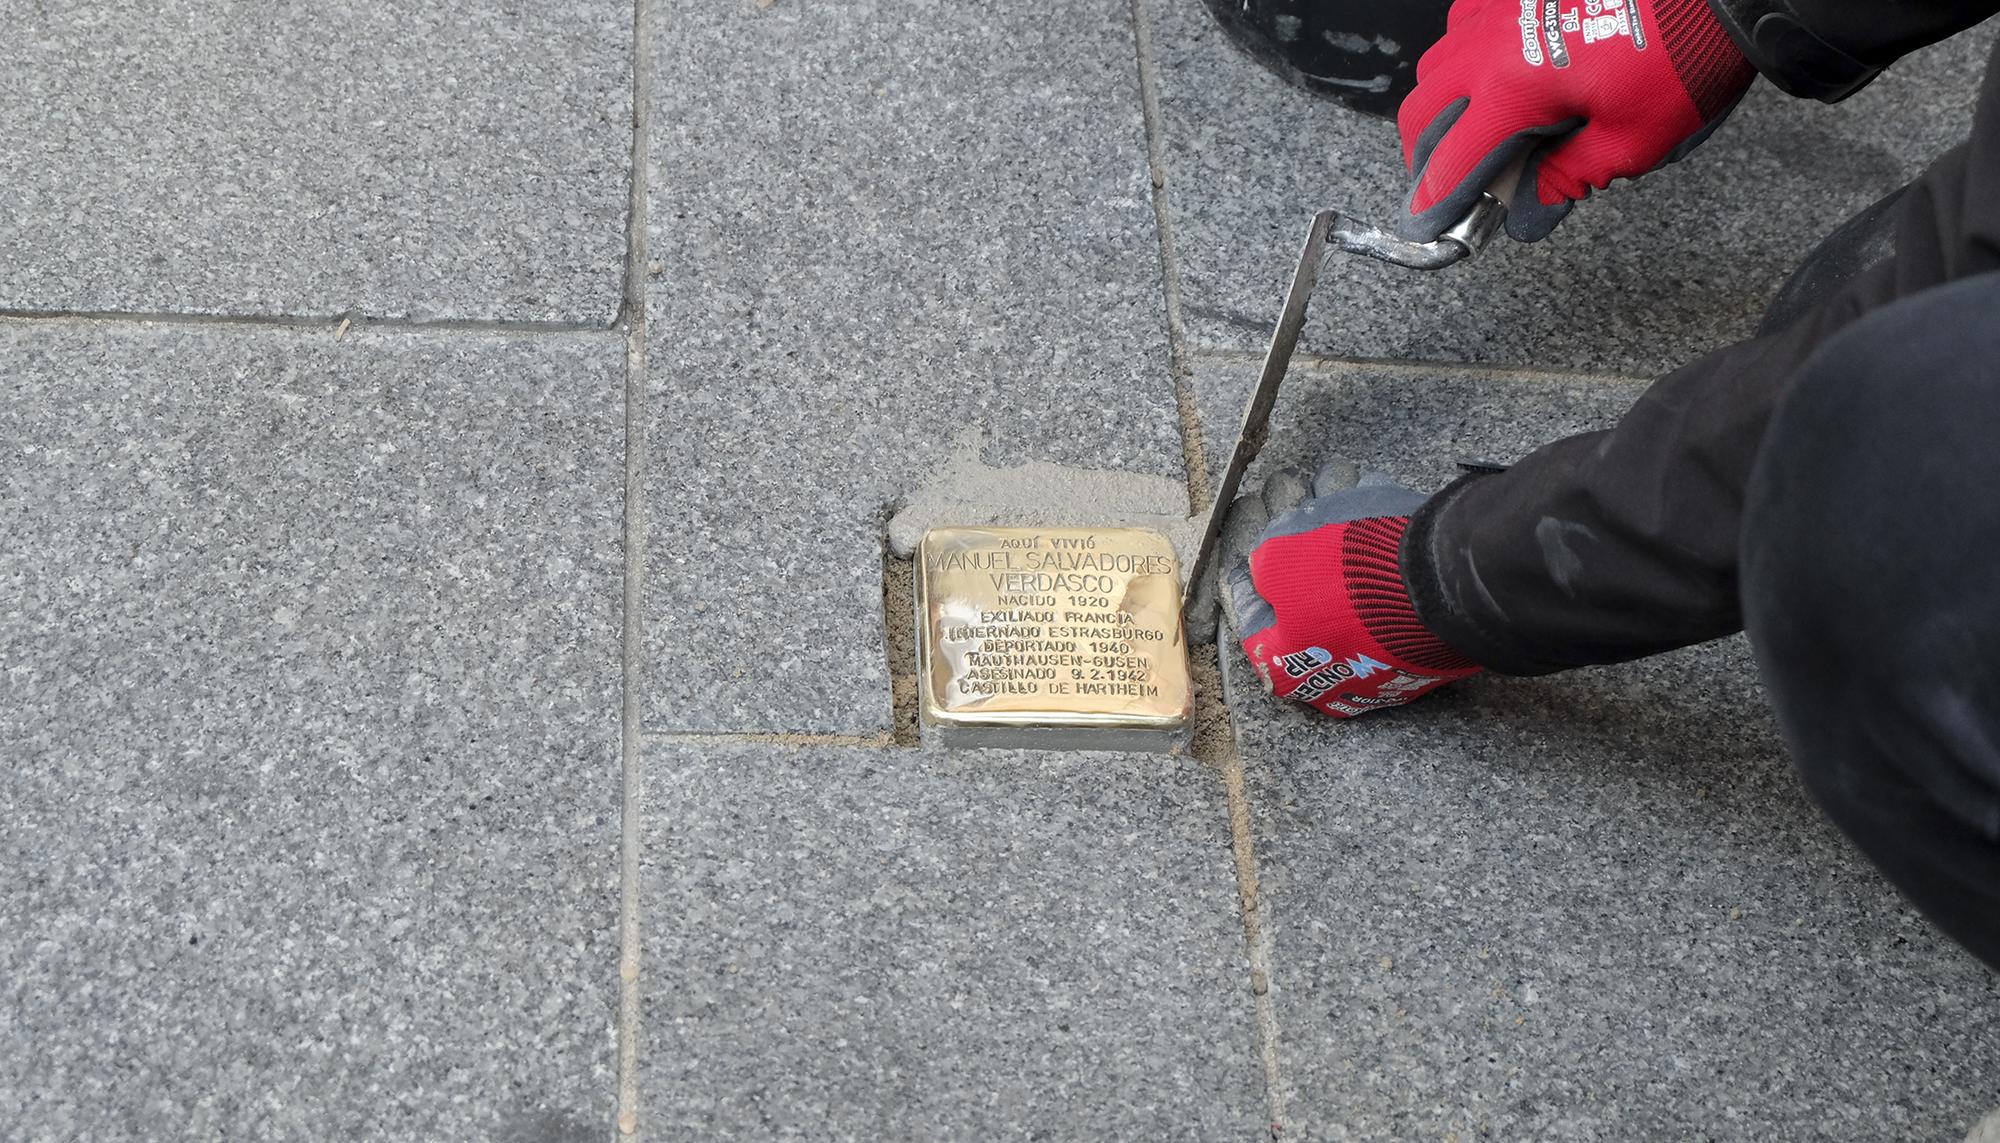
[1257, 415]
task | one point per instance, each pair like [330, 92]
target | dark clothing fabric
[1825, 483]
[1871, 590]
[1822, 483]
[1829, 49]
[1622, 543]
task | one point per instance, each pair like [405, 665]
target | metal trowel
[1077, 638]
[1331, 231]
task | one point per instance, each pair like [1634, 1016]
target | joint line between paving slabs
[1194, 459]
[338, 324]
[1215, 746]
[882, 741]
[1404, 366]
[1257, 940]
[1193, 456]
[632, 316]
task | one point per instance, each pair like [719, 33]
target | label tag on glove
[1066, 638]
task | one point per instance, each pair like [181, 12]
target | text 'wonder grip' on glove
[1319, 601]
[1588, 90]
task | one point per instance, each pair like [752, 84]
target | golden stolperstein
[1065, 638]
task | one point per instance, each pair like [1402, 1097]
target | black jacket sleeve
[1621, 543]
[1829, 49]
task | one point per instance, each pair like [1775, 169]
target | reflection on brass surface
[1041, 629]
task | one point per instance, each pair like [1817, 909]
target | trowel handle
[1483, 221]
[1466, 237]
[1502, 186]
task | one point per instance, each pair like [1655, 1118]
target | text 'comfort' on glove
[1586, 90]
[1318, 597]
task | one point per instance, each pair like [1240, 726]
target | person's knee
[1869, 553]
[1889, 430]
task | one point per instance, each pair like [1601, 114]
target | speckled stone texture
[1595, 905]
[874, 228]
[1638, 280]
[311, 733]
[463, 160]
[911, 945]
[1415, 423]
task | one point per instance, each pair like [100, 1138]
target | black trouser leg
[1871, 591]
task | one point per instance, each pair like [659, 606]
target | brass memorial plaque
[1054, 637]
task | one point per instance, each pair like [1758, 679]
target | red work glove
[1587, 90]
[1318, 598]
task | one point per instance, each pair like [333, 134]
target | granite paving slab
[874, 227]
[911, 944]
[311, 733]
[1595, 905]
[1415, 423]
[1638, 280]
[464, 160]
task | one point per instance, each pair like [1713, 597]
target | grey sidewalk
[443, 605]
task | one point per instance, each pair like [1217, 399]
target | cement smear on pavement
[968, 491]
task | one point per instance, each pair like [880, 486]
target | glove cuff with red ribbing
[1344, 637]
